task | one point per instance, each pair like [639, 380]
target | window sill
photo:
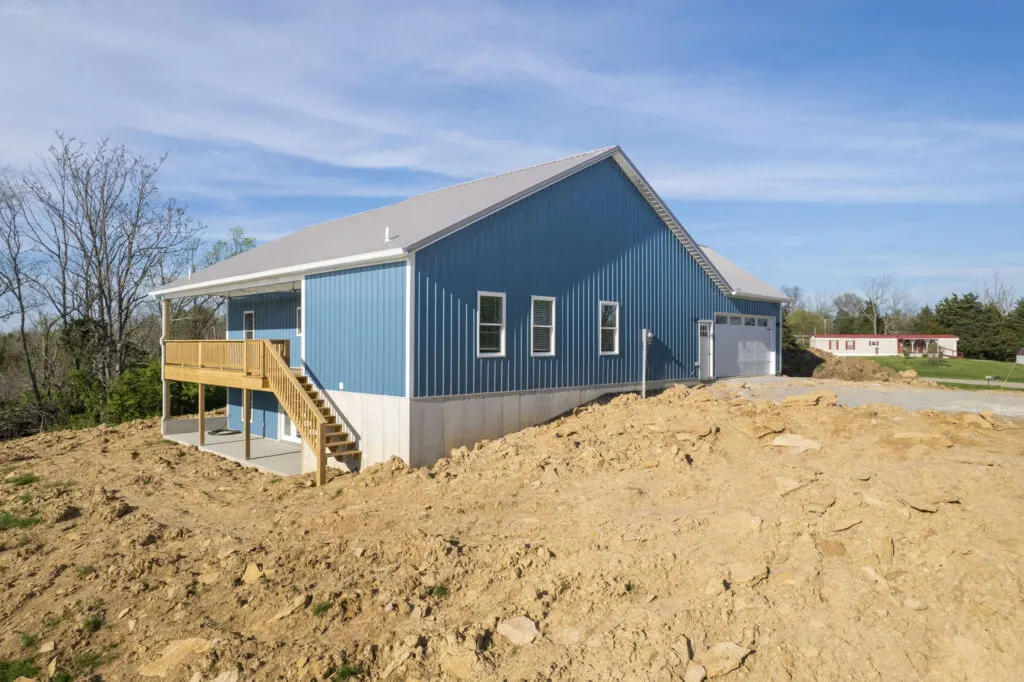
[542, 355]
[604, 354]
[489, 356]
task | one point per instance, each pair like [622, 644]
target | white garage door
[744, 346]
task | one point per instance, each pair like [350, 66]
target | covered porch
[279, 457]
[253, 364]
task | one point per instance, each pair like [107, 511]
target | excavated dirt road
[806, 541]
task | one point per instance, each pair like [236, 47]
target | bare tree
[108, 235]
[876, 292]
[999, 293]
[796, 298]
[824, 308]
[16, 268]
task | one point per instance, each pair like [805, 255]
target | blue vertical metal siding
[275, 318]
[590, 238]
[264, 412]
[355, 331]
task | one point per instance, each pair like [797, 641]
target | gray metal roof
[420, 220]
[742, 283]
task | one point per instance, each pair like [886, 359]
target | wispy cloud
[268, 105]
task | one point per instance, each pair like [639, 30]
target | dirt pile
[859, 369]
[682, 537]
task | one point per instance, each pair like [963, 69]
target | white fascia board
[292, 273]
[755, 297]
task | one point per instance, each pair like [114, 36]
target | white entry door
[744, 346]
[704, 349]
[287, 430]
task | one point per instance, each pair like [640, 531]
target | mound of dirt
[859, 369]
[643, 540]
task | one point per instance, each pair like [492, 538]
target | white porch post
[165, 330]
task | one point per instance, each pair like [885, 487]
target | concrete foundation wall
[440, 424]
[378, 423]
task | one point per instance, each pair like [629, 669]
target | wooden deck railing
[227, 356]
[265, 360]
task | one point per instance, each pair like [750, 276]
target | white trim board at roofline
[292, 273]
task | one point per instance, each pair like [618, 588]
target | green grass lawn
[956, 368]
[979, 387]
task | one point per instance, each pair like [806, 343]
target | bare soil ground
[802, 541]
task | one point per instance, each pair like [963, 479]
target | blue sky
[817, 143]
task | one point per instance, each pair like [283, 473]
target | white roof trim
[288, 274]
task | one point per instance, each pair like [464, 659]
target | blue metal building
[486, 307]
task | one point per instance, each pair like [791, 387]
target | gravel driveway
[851, 394]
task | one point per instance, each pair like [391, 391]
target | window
[851, 345]
[490, 330]
[542, 326]
[609, 328]
[248, 325]
[721, 319]
[749, 321]
[872, 343]
[762, 322]
[833, 344]
[735, 320]
[298, 320]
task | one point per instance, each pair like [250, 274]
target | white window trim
[600, 327]
[299, 327]
[253, 313]
[504, 323]
[554, 322]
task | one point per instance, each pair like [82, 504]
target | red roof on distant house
[885, 336]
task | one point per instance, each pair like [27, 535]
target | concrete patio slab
[274, 456]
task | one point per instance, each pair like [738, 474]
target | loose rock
[519, 630]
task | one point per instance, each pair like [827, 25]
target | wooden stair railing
[308, 411]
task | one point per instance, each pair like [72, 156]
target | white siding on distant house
[860, 346]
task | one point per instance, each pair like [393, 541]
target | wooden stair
[338, 443]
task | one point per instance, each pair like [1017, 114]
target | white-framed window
[721, 319]
[762, 322]
[490, 324]
[749, 321]
[735, 320]
[608, 312]
[542, 326]
[249, 324]
[298, 320]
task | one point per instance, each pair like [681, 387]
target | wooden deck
[260, 365]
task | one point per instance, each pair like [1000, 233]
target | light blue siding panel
[589, 238]
[264, 412]
[275, 318]
[355, 331]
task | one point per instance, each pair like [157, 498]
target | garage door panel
[742, 350]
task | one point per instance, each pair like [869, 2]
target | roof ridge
[516, 170]
[460, 184]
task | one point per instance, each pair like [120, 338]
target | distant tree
[979, 326]
[925, 322]
[796, 298]
[999, 293]
[197, 317]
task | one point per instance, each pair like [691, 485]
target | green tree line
[990, 324]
